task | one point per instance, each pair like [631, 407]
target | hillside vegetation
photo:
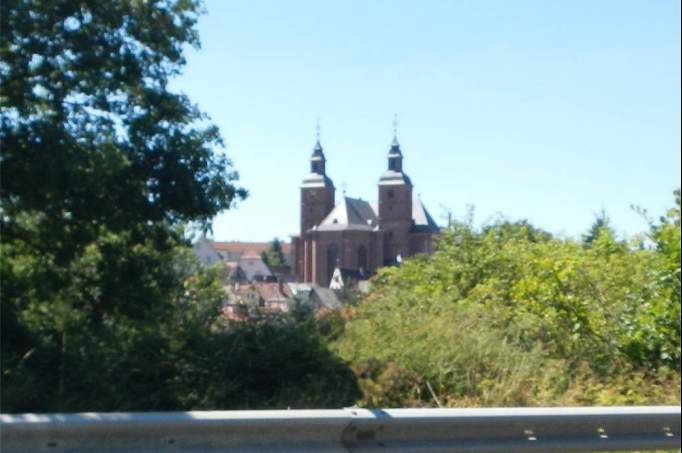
[509, 315]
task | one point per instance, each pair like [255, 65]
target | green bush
[509, 315]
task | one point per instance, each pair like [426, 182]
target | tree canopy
[101, 164]
[274, 256]
[103, 305]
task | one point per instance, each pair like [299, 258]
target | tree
[104, 308]
[274, 256]
[666, 236]
[601, 225]
[101, 166]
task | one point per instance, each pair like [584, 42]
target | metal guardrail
[350, 430]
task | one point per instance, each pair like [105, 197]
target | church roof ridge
[357, 214]
[349, 213]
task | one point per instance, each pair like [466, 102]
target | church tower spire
[394, 174]
[395, 156]
[317, 189]
[395, 202]
[317, 160]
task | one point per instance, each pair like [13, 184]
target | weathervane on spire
[317, 128]
[395, 126]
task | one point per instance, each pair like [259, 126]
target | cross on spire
[317, 129]
[395, 126]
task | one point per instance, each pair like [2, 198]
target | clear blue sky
[545, 110]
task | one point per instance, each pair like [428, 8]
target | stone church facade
[355, 235]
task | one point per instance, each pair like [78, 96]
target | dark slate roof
[317, 151]
[326, 298]
[253, 267]
[350, 214]
[317, 180]
[423, 222]
[319, 297]
[395, 148]
[390, 177]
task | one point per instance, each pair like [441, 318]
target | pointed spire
[394, 174]
[395, 128]
[317, 160]
[318, 147]
[318, 163]
[395, 146]
[395, 156]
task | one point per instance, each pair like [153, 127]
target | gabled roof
[254, 267]
[234, 271]
[359, 215]
[326, 298]
[350, 214]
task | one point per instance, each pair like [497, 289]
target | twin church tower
[354, 235]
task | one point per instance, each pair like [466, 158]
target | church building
[355, 235]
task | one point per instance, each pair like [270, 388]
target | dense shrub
[509, 315]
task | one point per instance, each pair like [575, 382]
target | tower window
[391, 194]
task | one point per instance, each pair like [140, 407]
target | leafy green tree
[104, 307]
[274, 256]
[101, 164]
[665, 234]
[601, 225]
